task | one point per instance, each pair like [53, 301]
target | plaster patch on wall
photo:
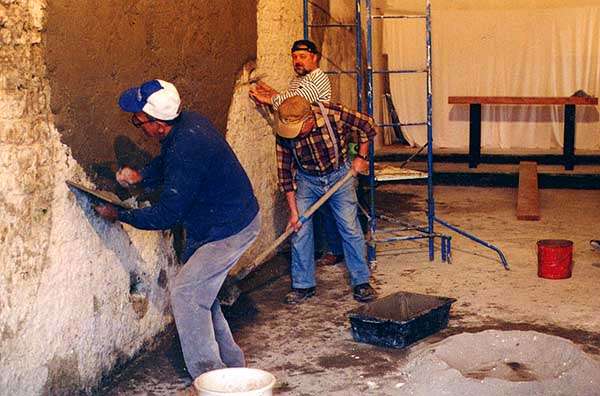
[81, 300]
[338, 47]
[252, 139]
[25, 190]
[139, 303]
[248, 131]
[64, 276]
[138, 293]
[279, 25]
[162, 279]
[66, 317]
[63, 375]
[196, 44]
[96, 304]
[7, 333]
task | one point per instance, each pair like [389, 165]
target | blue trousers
[344, 207]
[327, 237]
[205, 337]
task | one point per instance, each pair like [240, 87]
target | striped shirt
[314, 151]
[314, 87]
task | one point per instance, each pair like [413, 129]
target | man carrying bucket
[312, 155]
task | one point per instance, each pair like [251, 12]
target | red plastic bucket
[555, 258]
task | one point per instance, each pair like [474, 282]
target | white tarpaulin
[552, 50]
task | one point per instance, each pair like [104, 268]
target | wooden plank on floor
[528, 197]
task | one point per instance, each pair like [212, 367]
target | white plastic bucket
[236, 381]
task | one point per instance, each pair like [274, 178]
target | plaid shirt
[314, 150]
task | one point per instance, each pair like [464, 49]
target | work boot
[364, 293]
[328, 259]
[297, 296]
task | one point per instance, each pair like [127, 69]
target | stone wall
[249, 128]
[339, 46]
[96, 49]
[79, 296]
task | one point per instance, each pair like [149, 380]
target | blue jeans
[344, 207]
[205, 337]
[327, 237]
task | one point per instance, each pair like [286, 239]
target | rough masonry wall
[339, 44]
[96, 49]
[249, 128]
[78, 295]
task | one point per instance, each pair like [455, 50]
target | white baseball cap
[157, 98]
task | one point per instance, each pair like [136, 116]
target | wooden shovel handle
[303, 218]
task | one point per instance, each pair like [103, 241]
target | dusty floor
[309, 348]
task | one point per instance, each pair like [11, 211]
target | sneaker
[364, 293]
[297, 296]
[328, 259]
[595, 244]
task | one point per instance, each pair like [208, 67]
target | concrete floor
[309, 347]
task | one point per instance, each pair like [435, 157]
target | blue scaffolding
[358, 72]
[427, 232]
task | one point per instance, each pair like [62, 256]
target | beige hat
[291, 115]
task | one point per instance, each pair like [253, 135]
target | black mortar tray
[400, 319]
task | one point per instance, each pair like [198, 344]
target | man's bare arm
[294, 215]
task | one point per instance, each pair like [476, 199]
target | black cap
[305, 45]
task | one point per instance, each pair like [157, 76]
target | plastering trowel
[230, 290]
[103, 196]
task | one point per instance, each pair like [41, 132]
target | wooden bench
[475, 103]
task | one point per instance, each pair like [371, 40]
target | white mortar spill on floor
[502, 363]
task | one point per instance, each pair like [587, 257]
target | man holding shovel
[312, 84]
[205, 189]
[312, 155]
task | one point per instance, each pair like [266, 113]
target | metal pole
[358, 63]
[369, 60]
[371, 251]
[305, 19]
[479, 241]
[430, 198]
